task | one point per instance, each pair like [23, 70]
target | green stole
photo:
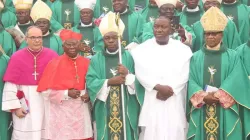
[114, 100]
[189, 18]
[5, 117]
[152, 12]
[212, 123]
[24, 27]
[68, 21]
[125, 36]
[231, 11]
[88, 35]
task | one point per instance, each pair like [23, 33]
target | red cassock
[64, 73]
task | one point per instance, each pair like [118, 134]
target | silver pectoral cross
[67, 12]
[113, 71]
[35, 75]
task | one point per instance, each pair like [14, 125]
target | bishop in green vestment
[7, 17]
[104, 78]
[218, 106]
[104, 6]
[231, 37]
[191, 13]
[23, 15]
[5, 117]
[178, 31]
[41, 15]
[65, 15]
[92, 38]
[7, 42]
[132, 20]
[150, 12]
[239, 14]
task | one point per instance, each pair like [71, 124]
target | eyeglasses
[35, 37]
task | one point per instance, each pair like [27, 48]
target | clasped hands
[163, 92]
[121, 78]
[73, 93]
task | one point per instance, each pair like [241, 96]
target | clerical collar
[46, 34]
[84, 25]
[24, 23]
[112, 53]
[72, 58]
[124, 11]
[206, 50]
[193, 10]
[229, 3]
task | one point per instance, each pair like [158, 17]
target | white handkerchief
[209, 88]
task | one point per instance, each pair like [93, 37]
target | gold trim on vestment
[233, 127]
[234, 99]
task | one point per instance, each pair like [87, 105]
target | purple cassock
[21, 70]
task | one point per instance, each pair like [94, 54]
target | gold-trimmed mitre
[162, 2]
[214, 20]
[23, 4]
[108, 24]
[40, 10]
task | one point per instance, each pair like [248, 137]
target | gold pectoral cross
[212, 71]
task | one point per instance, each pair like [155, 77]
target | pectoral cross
[67, 12]
[212, 71]
[35, 74]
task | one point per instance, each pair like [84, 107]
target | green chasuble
[239, 13]
[141, 3]
[231, 37]
[8, 18]
[65, 15]
[189, 18]
[10, 6]
[7, 42]
[5, 117]
[104, 6]
[133, 22]
[148, 32]
[150, 13]
[50, 41]
[244, 53]
[214, 122]
[91, 35]
[108, 115]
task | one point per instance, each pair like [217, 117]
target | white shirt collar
[124, 11]
[112, 53]
[193, 10]
[24, 23]
[229, 3]
[83, 25]
[46, 33]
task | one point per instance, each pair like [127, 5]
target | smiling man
[215, 109]
[67, 114]
[41, 19]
